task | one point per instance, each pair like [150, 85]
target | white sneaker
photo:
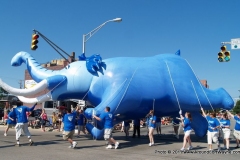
[182, 149]
[190, 147]
[70, 147]
[5, 134]
[153, 144]
[116, 145]
[109, 147]
[150, 144]
[74, 144]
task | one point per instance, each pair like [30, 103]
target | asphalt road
[50, 146]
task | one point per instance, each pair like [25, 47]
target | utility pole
[20, 83]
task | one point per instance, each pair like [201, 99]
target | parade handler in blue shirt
[11, 122]
[108, 118]
[186, 123]
[80, 121]
[236, 131]
[151, 127]
[69, 120]
[213, 126]
[19, 111]
[225, 126]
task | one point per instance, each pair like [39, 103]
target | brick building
[204, 83]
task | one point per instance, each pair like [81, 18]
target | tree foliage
[2, 94]
[236, 108]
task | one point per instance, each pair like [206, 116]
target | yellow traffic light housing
[223, 55]
[227, 56]
[220, 57]
[34, 41]
[223, 48]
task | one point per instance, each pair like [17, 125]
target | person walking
[108, 118]
[236, 132]
[213, 126]
[151, 127]
[158, 126]
[176, 126]
[225, 126]
[54, 120]
[136, 128]
[43, 117]
[186, 123]
[80, 122]
[19, 111]
[69, 120]
[11, 122]
[126, 127]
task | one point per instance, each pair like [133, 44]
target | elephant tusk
[39, 99]
[25, 92]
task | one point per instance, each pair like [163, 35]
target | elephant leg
[95, 132]
[112, 101]
[199, 124]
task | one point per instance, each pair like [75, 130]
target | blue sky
[149, 27]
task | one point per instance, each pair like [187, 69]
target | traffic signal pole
[235, 43]
[53, 45]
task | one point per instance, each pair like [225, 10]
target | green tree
[236, 108]
[2, 94]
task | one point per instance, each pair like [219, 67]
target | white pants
[22, 126]
[187, 133]
[236, 134]
[226, 133]
[212, 136]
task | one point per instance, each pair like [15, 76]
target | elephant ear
[94, 64]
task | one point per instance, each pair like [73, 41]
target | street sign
[235, 43]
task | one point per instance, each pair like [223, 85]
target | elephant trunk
[36, 71]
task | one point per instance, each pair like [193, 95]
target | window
[48, 104]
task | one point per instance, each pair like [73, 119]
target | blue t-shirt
[69, 120]
[20, 113]
[126, 123]
[212, 123]
[150, 123]
[136, 122]
[80, 119]
[225, 122]
[107, 118]
[158, 119]
[237, 125]
[9, 121]
[187, 124]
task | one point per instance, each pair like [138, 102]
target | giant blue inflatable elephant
[130, 86]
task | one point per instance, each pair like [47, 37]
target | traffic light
[223, 49]
[227, 56]
[34, 41]
[220, 57]
[223, 55]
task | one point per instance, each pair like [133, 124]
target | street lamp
[87, 36]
